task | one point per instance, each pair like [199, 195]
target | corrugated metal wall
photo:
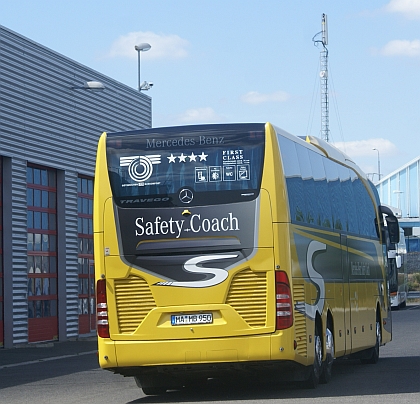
[19, 245]
[401, 189]
[45, 120]
[72, 280]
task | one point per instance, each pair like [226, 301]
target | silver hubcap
[329, 346]
[318, 350]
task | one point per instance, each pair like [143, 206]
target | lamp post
[143, 47]
[398, 192]
[379, 165]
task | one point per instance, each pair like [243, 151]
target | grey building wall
[44, 119]
[67, 253]
[47, 118]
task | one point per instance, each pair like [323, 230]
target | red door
[42, 253]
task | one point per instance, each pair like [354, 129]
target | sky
[214, 61]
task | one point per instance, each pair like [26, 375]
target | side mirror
[393, 229]
[392, 224]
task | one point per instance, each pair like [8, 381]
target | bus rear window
[186, 165]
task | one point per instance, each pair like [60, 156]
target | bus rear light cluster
[101, 309]
[284, 313]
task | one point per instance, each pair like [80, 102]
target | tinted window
[323, 193]
[295, 190]
[218, 164]
[366, 212]
[338, 211]
[348, 199]
[320, 195]
[308, 184]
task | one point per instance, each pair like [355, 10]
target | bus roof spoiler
[334, 153]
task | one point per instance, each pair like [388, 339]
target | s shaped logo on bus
[310, 310]
[140, 168]
[219, 274]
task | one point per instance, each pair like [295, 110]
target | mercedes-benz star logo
[186, 195]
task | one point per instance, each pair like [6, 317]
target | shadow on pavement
[42, 361]
[350, 378]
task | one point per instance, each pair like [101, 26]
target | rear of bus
[187, 278]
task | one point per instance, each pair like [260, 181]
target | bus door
[347, 298]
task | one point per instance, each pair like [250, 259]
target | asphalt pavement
[46, 351]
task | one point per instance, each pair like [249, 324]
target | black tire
[374, 351]
[151, 385]
[153, 391]
[316, 369]
[326, 372]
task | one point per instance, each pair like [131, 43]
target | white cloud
[401, 48]
[362, 153]
[199, 115]
[254, 97]
[163, 46]
[408, 8]
[364, 148]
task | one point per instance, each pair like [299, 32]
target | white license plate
[185, 319]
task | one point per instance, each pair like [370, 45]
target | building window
[85, 255]
[42, 246]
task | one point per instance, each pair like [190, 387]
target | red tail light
[284, 312]
[101, 309]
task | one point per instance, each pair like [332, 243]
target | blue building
[401, 189]
[51, 118]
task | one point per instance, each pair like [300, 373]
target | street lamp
[143, 47]
[90, 85]
[379, 165]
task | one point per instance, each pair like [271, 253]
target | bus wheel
[374, 351]
[151, 386]
[329, 350]
[153, 391]
[316, 368]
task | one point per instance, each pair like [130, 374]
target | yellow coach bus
[235, 248]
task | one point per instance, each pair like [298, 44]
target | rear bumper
[200, 355]
[178, 375]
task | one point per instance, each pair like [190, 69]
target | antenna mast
[325, 114]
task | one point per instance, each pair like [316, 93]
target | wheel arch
[329, 323]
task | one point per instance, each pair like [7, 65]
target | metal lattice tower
[325, 118]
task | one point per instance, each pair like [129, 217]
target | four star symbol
[183, 158]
